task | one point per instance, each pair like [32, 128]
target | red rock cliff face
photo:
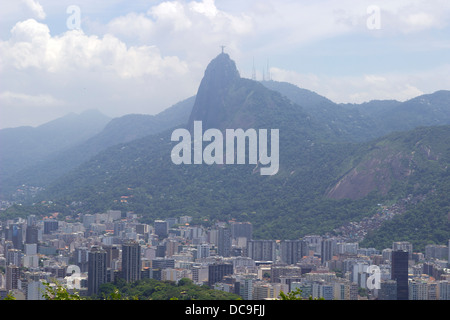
[376, 173]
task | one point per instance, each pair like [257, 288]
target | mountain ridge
[116, 131]
[319, 164]
[23, 146]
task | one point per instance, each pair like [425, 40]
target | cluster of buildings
[102, 248]
[358, 230]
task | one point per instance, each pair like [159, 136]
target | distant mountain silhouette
[25, 146]
[40, 171]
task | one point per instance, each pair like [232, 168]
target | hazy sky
[138, 56]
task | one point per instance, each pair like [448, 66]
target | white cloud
[414, 16]
[36, 8]
[374, 79]
[87, 71]
[31, 45]
[193, 30]
[323, 19]
[171, 14]
[149, 56]
[132, 27]
[207, 8]
[419, 20]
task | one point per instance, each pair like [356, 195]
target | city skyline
[322, 266]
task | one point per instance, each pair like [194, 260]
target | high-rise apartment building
[417, 290]
[314, 242]
[262, 250]
[96, 269]
[112, 253]
[14, 257]
[279, 271]
[263, 291]
[403, 245]
[161, 228]
[131, 261]
[216, 272]
[242, 229]
[203, 251]
[399, 272]
[433, 251]
[12, 277]
[163, 263]
[80, 258]
[200, 274]
[327, 249]
[224, 242]
[388, 290]
[50, 225]
[14, 234]
[444, 290]
[292, 251]
[32, 234]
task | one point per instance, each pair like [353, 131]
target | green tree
[9, 296]
[58, 292]
[296, 295]
[293, 295]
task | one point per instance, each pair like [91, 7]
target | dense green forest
[145, 289]
[286, 206]
[151, 289]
